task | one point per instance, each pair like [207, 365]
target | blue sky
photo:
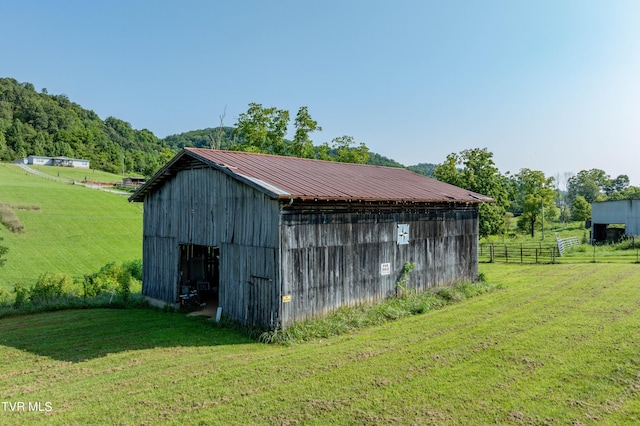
[546, 85]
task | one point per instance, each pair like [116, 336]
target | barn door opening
[199, 275]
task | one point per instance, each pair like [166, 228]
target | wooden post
[521, 258]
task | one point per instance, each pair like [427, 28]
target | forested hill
[423, 168]
[224, 138]
[38, 123]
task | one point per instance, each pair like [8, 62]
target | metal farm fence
[566, 250]
[521, 253]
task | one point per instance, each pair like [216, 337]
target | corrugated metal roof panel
[290, 177]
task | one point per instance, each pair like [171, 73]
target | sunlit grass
[558, 344]
[69, 228]
[80, 175]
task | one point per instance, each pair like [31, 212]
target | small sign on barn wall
[286, 298]
[385, 269]
[403, 233]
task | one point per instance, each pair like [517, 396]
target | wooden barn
[273, 240]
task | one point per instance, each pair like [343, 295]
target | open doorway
[199, 280]
[608, 232]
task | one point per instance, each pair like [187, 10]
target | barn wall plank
[331, 260]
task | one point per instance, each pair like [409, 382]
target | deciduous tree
[263, 129]
[536, 194]
[302, 145]
[580, 209]
[588, 183]
[474, 169]
[346, 153]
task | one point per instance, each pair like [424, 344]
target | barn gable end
[203, 207]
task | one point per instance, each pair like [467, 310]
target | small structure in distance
[39, 160]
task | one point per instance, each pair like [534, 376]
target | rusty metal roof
[300, 178]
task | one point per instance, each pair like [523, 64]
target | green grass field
[80, 175]
[67, 228]
[558, 344]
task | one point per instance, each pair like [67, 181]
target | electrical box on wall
[403, 233]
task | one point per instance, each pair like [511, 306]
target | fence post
[491, 253]
[521, 258]
[506, 254]
[536, 255]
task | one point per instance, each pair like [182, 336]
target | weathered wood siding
[331, 260]
[204, 206]
[279, 264]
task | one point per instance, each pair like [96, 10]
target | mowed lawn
[558, 344]
[67, 228]
[80, 175]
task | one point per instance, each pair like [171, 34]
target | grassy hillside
[67, 228]
[81, 175]
[558, 344]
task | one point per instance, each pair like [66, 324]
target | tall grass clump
[9, 219]
[112, 286]
[346, 319]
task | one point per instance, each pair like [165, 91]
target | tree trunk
[533, 228]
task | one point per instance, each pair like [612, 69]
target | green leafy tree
[302, 145]
[346, 153]
[588, 183]
[536, 195]
[4, 153]
[596, 185]
[263, 129]
[580, 209]
[380, 160]
[631, 193]
[16, 140]
[474, 169]
[616, 186]
[424, 169]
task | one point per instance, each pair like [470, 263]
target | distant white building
[39, 160]
[622, 212]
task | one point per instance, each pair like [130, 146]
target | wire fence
[562, 252]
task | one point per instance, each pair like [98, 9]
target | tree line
[263, 129]
[37, 123]
[529, 195]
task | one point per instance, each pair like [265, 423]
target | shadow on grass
[79, 335]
